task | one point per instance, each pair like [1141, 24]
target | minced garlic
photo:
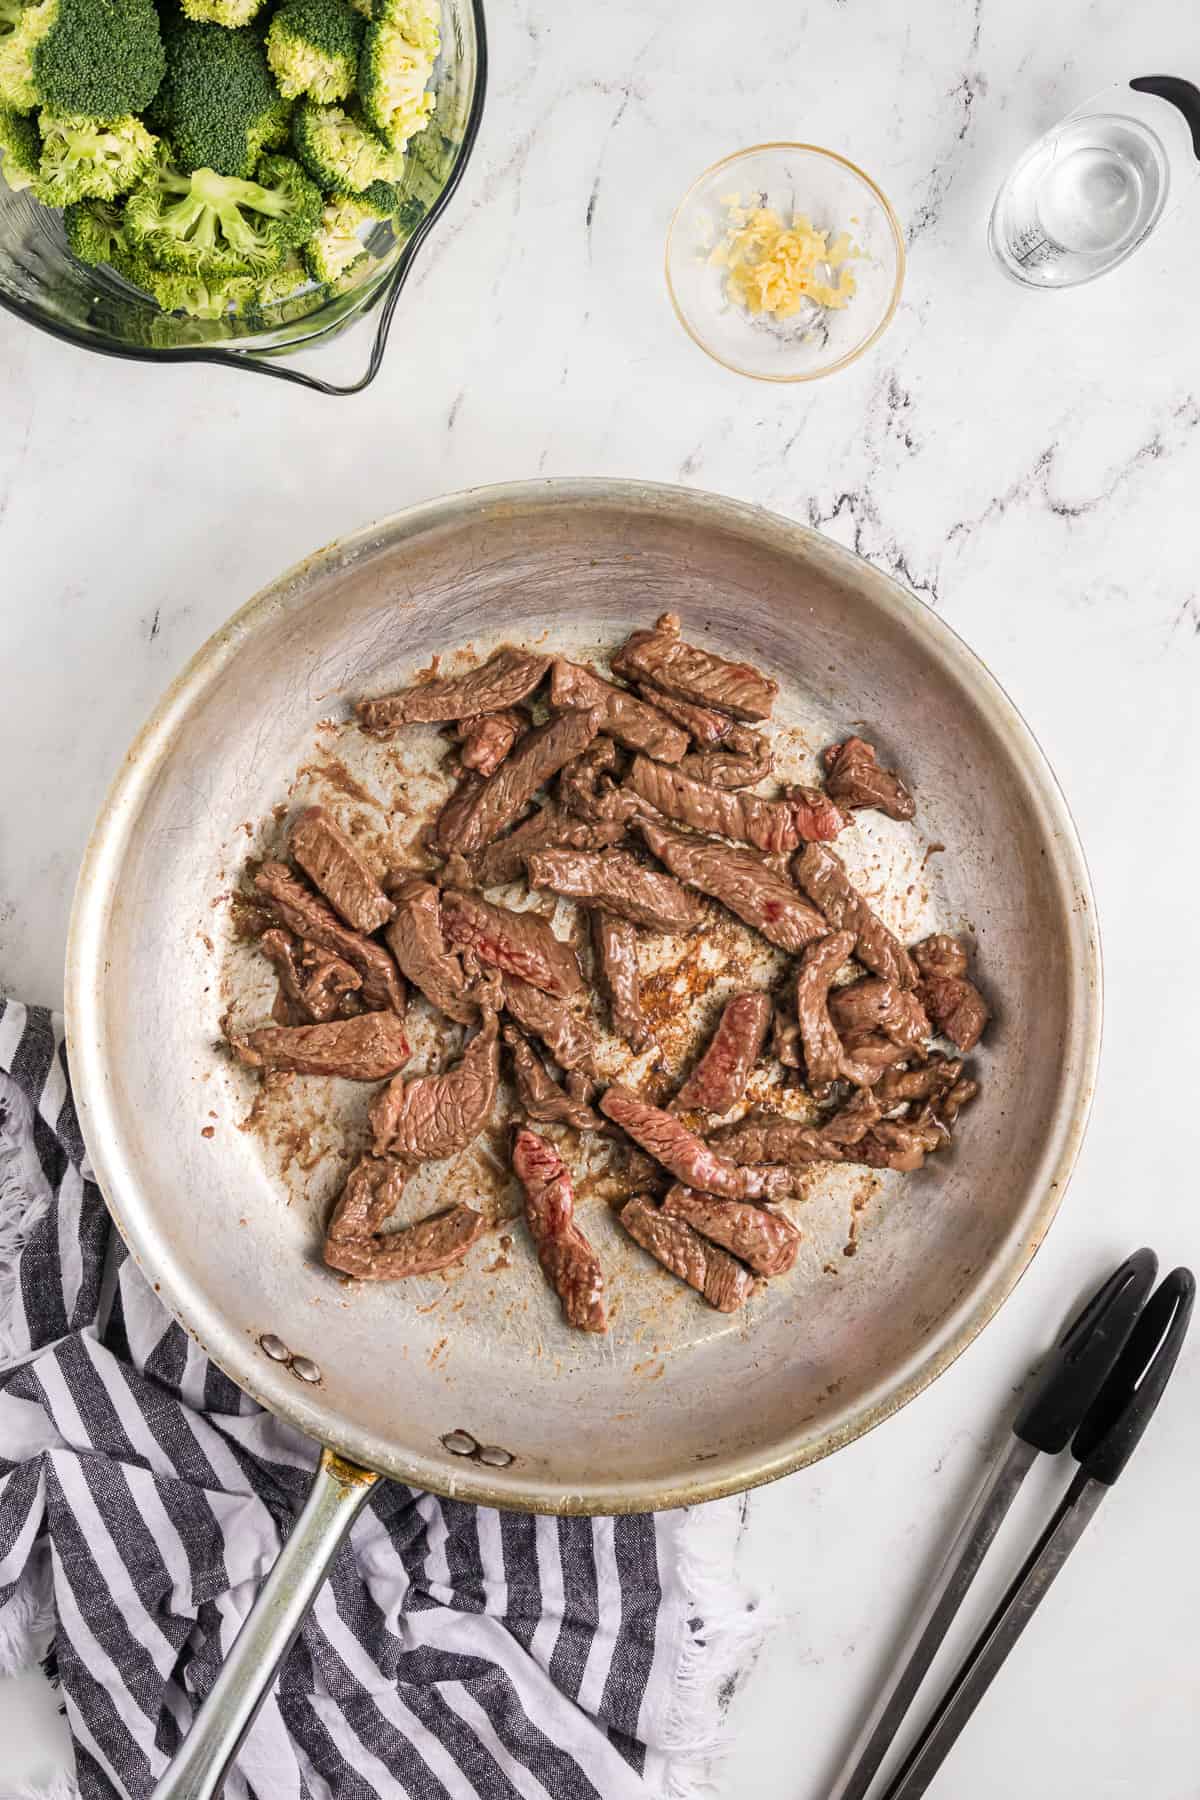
[776, 268]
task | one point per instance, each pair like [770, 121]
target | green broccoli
[313, 46]
[219, 226]
[10, 15]
[95, 231]
[229, 13]
[392, 74]
[339, 151]
[337, 248]
[419, 22]
[218, 105]
[91, 159]
[100, 59]
[20, 150]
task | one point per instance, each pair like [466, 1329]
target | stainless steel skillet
[511, 1410]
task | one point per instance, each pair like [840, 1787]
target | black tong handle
[1120, 1413]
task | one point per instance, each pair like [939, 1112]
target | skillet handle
[285, 1600]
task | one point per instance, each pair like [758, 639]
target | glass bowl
[41, 282]
[792, 179]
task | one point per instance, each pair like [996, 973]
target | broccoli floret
[95, 231]
[219, 226]
[200, 296]
[100, 59]
[313, 46]
[339, 151]
[20, 150]
[218, 105]
[391, 82]
[337, 247]
[419, 22]
[229, 13]
[365, 7]
[91, 159]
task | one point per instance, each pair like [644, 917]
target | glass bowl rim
[385, 296]
[889, 214]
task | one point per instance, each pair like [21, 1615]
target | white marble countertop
[1028, 464]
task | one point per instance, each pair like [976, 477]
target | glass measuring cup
[1084, 196]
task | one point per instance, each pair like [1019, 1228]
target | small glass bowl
[793, 179]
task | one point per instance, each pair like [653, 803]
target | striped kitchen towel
[454, 1651]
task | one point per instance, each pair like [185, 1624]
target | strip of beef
[728, 768]
[685, 1156]
[960, 1095]
[568, 1261]
[772, 825]
[313, 981]
[932, 1081]
[869, 1055]
[539, 1095]
[901, 1144]
[518, 943]
[741, 880]
[434, 1116]
[662, 658]
[955, 1005]
[877, 1006]
[569, 1039]
[719, 1079]
[332, 863]
[470, 819]
[367, 1048]
[851, 1122]
[309, 917]
[724, 1283]
[504, 860]
[825, 1060]
[576, 688]
[785, 1033]
[370, 1196]
[855, 780]
[588, 790]
[485, 739]
[615, 943]
[420, 1249]
[507, 677]
[418, 944]
[766, 1139]
[767, 1242]
[821, 874]
[617, 883]
[703, 724]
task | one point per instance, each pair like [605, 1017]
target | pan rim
[271, 1385]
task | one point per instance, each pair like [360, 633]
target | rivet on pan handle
[338, 1492]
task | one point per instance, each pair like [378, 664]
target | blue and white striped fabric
[454, 1652]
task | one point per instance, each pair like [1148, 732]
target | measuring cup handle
[1180, 93]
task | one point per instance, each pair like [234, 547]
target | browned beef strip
[663, 658]
[748, 818]
[468, 823]
[874, 1005]
[855, 780]
[588, 790]
[957, 1008]
[487, 738]
[568, 1261]
[741, 880]
[615, 942]
[724, 1283]
[434, 1116]
[617, 883]
[825, 1060]
[900, 1144]
[314, 981]
[785, 1033]
[309, 917]
[367, 1048]
[508, 676]
[568, 1038]
[518, 943]
[686, 1156]
[869, 1055]
[851, 1122]
[420, 1249]
[932, 1081]
[731, 769]
[576, 688]
[417, 942]
[504, 860]
[331, 862]
[703, 724]
[950, 1105]
[719, 1079]
[370, 1196]
[767, 1242]
[821, 874]
[765, 1139]
[940, 955]
[540, 1097]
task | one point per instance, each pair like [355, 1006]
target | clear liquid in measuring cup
[1079, 201]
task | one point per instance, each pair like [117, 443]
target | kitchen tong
[1096, 1391]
